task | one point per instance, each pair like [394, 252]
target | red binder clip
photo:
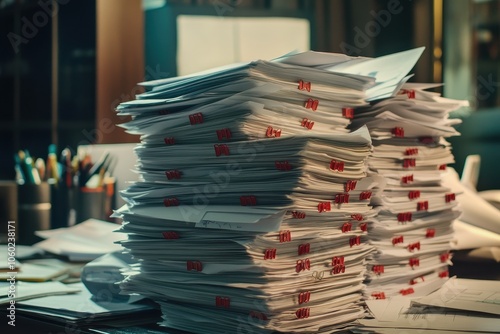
[404, 217]
[378, 269]
[423, 206]
[413, 194]
[364, 195]
[444, 274]
[409, 92]
[173, 174]
[397, 240]
[270, 254]
[357, 216]
[430, 233]
[378, 295]
[346, 227]
[306, 123]
[258, 315]
[169, 140]
[442, 167]
[407, 179]
[302, 265]
[298, 215]
[304, 297]
[355, 241]
[302, 313]
[363, 227]
[414, 262]
[285, 236]
[408, 291]
[338, 265]
[273, 133]
[196, 118]
[412, 247]
[169, 235]
[341, 198]
[304, 249]
[337, 165]
[194, 266]
[324, 206]
[411, 151]
[398, 132]
[223, 133]
[283, 165]
[348, 113]
[449, 197]
[444, 257]
[221, 149]
[350, 185]
[248, 200]
[408, 163]
[311, 104]
[304, 85]
[171, 201]
[222, 302]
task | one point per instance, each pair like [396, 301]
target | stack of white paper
[413, 230]
[254, 200]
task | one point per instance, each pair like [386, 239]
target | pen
[40, 166]
[19, 171]
[52, 172]
[26, 166]
[66, 168]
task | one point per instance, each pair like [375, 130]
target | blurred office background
[64, 67]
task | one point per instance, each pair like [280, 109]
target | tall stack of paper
[412, 231]
[253, 206]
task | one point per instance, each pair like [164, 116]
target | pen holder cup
[96, 202]
[61, 198]
[33, 211]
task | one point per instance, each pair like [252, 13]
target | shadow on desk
[465, 266]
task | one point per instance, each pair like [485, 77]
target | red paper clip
[285, 236]
[304, 249]
[270, 254]
[283, 165]
[430, 233]
[338, 261]
[404, 217]
[169, 140]
[408, 163]
[363, 227]
[337, 165]
[221, 149]
[350, 185]
[398, 132]
[337, 269]
[194, 266]
[248, 200]
[304, 297]
[444, 257]
[355, 241]
[171, 201]
[298, 215]
[324, 206]
[346, 227]
[397, 240]
[409, 92]
[223, 134]
[407, 179]
[169, 235]
[449, 197]
[378, 295]
[304, 85]
[302, 313]
[357, 216]
[415, 280]
[414, 262]
[222, 302]
[364, 195]
[442, 167]
[306, 123]
[173, 174]
[302, 265]
[273, 133]
[413, 194]
[378, 269]
[408, 291]
[311, 104]
[423, 206]
[411, 151]
[444, 274]
[413, 246]
[196, 118]
[341, 198]
[348, 113]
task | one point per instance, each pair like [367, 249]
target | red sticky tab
[398, 132]
[194, 266]
[196, 118]
[304, 85]
[341, 198]
[306, 123]
[221, 149]
[409, 163]
[414, 262]
[173, 174]
[302, 313]
[169, 140]
[348, 113]
[378, 269]
[423, 206]
[350, 185]
[413, 194]
[397, 240]
[304, 297]
[311, 104]
[223, 134]
[270, 254]
[248, 200]
[169, 235]
[222, 302]
[407, 179]
[302, 265]
[283, 165]
[298, 215]
[304, 249]
[411, 151]
[449, 197]
[404, 217]
[346, 227]
[285, 236]
[337, 165]
[324, 206]
[171, 201]
[364, 195]
[413, 246]
[430, 233]
[272, 132]
[408, 291]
